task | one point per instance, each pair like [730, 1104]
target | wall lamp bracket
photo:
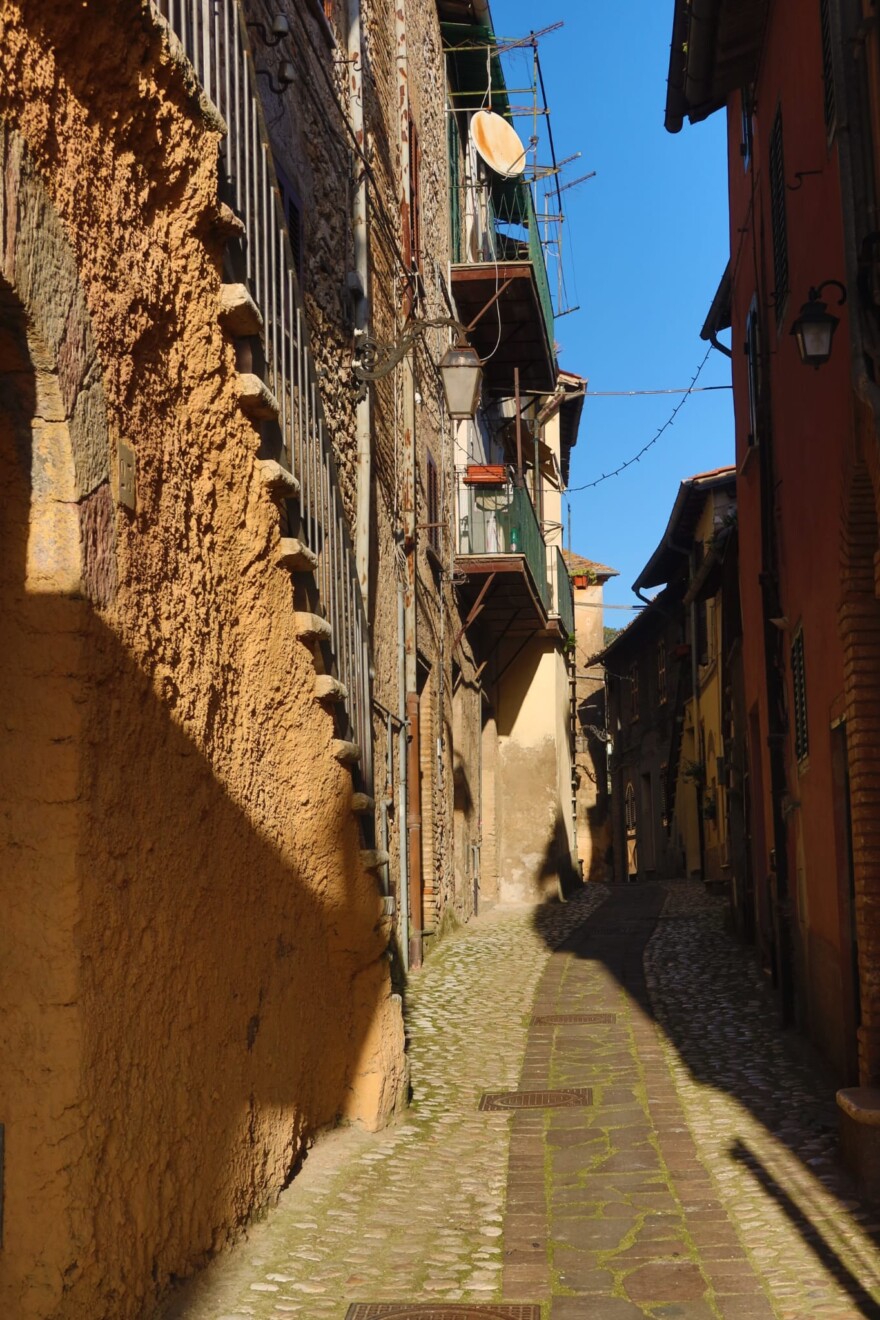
[286, 75]
[800, 175]
[460, 368]
[279, 30]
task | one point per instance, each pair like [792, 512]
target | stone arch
[859, 621]
[71, 456]
[57, 562]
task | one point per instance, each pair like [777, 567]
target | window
[747, 129]
[661, 670]
[415, 200]
[293, 214]
[799, 684]
[828, 67]
[629, 808]
[752, 348]
[634, 692]
[432, 494]
[777, 218]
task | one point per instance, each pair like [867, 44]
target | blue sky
[647, 242]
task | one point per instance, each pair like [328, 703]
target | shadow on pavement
[806, 1228]
[705, 991]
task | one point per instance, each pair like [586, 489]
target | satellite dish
[498, 144]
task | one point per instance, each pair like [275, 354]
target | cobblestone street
[698, 1179]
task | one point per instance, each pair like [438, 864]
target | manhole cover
[571, 1019]
[440, 1311]
[573, 1097]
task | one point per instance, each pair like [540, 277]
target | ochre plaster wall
[534, 824]
[200, 979]
[591, 756]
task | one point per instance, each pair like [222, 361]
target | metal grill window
[777, 217]
[828, 66]
[799, 684]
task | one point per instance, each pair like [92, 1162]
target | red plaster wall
[810, 421]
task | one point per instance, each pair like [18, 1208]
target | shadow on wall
[719, 1033]
[189, 987]
[559, 864]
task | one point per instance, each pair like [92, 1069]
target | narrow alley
[675, 1156]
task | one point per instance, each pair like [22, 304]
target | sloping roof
[714, 51]
[681, 526]
[578, 566]
[644, 624]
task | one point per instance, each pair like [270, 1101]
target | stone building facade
[796, 82]
[248, 719]
[194, 971]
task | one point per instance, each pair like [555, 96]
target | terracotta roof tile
[577, 565]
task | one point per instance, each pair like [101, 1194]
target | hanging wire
[606, 476]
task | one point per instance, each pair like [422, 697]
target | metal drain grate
[573, 1097]
[571, 1019]
[441, 1311]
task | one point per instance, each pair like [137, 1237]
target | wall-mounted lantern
[462, 374]
[814, 328]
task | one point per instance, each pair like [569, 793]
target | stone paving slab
[700, 1184]
[415, 1211]
[762, 1115]
[630, 1212]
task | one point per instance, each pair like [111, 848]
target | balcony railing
[214, 37]
[562, 596]
[499, 520]
[499, 223]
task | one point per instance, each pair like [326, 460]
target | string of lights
[606, 476]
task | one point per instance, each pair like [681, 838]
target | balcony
[514, 582]
[561, 594]
[499, 274]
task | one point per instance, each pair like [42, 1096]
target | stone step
[295, 556]
[328, 688]
[281, 484]
[226, 224]
[239, 314]
[373, 858]
[361, 803]
[256, 399]
[310, 626]
[347, 753]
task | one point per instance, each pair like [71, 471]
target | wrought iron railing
[499, 520]
[505, 226]
[214, 37]
[562, 596]
[539, 264]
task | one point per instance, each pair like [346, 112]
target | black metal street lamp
[814, 328]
